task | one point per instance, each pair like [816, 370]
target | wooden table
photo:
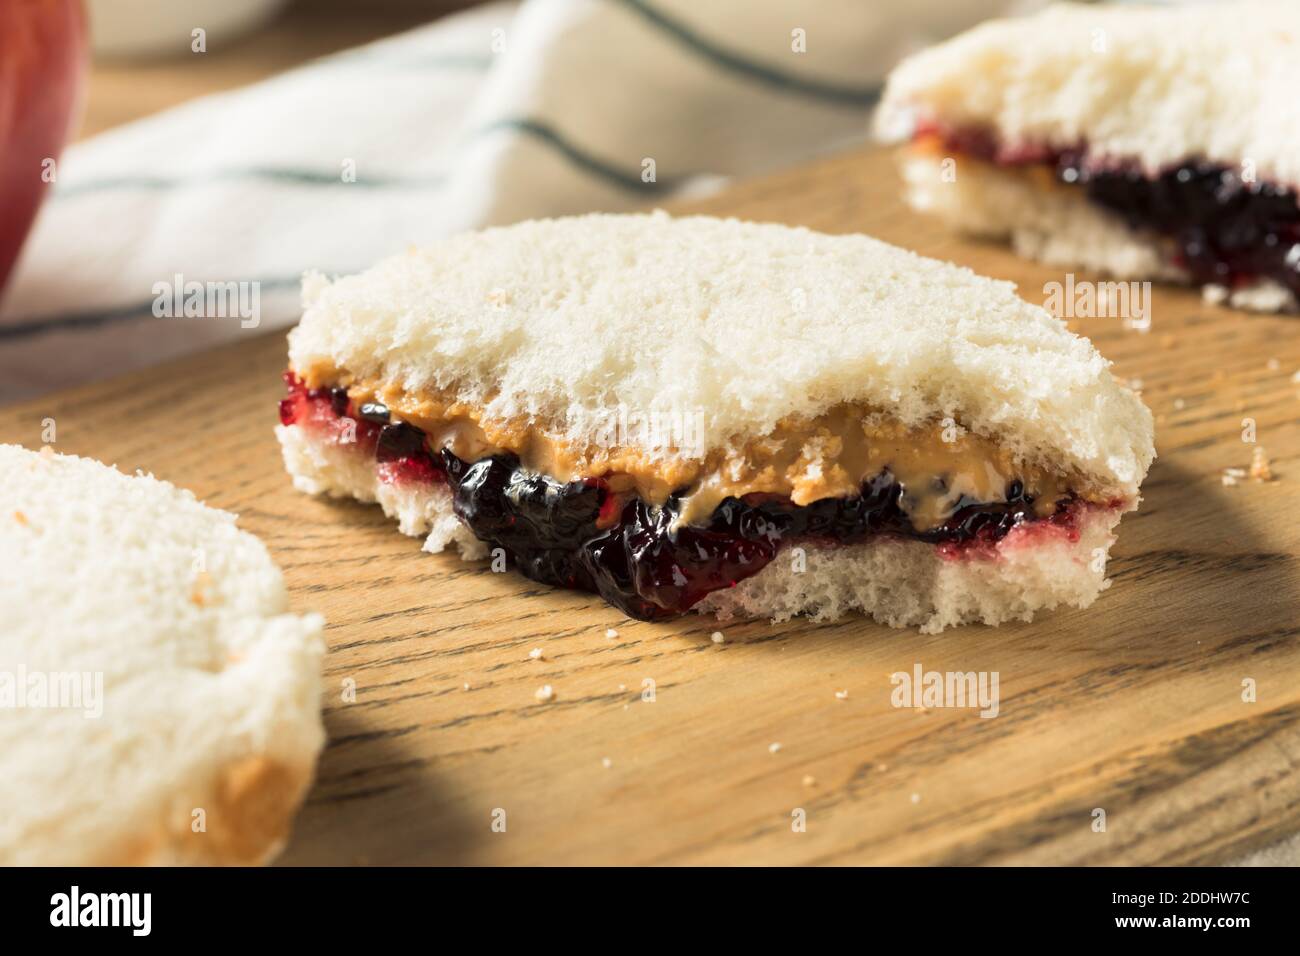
[1134, 706]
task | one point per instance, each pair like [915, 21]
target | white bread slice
[202, 738]
[560, 321]
[912, 584]
[1153, 84]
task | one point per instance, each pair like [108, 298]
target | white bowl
[152, 27]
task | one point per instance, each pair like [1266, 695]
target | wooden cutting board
[1134, 706]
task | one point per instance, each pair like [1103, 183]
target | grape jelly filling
[1227, 230]
[581, 535]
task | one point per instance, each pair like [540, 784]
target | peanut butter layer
[940, 467]
[1041, 176]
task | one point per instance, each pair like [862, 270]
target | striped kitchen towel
[193, 227]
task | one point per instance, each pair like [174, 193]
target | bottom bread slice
[1058, 226]
[901, 583]
[320, 465]
[914, 584]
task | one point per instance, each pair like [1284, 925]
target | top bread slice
[1155, 84]
[742, 324]
[189, 720]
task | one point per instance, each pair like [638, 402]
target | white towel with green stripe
[193, 227]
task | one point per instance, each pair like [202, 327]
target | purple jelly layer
[580, 535]
[1226, 230]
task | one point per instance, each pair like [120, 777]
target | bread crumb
[841, 695]
[1260, 470]
[916, 798]
[536, 654]
[611, 633]
[1259, 465]
[1295, 377]
[606, 762]
[1180, 404]
[773, 748]
[1274, 365]
[809, 780]
[20, 518]
[716, 637]
[545, 692]
[465, 686]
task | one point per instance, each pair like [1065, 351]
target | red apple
[42, 70]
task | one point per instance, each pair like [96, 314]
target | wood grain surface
[1134, 706]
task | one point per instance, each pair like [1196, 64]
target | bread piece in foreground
[1142, 142]
[723, 416]
[159, 706]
